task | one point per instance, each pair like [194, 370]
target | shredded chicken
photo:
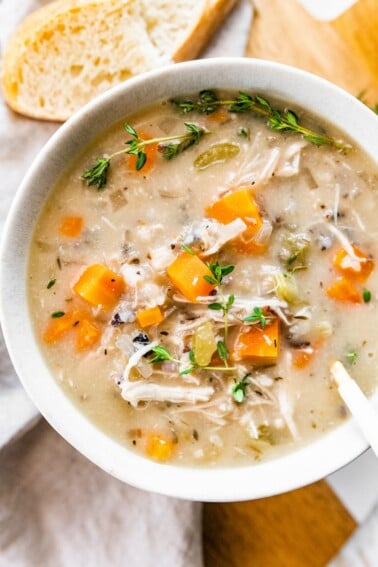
[146, 292]
[344, 242]
[212, 235]
[135, 392]
[289, 163]
[135, 358]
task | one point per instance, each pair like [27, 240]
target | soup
[197, 270]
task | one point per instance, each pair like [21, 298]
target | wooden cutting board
[307, 527]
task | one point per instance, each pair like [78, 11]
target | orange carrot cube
[71, 226]
[303, 357]
[187, 274]
[58, 327]
[351, 267]
[158, 447]
[259, 346]
[149, 317]
[87, 334]
[99, 286]
[237, 205]
[343, 289]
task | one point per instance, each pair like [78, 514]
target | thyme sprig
[218, 273]
[168, 146]
[239, 389]
[257, 317]
[279, 120]
[162, 354]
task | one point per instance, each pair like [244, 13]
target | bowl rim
[304, 465]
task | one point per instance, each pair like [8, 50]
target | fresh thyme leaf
[230, 301]
[215, 306]
[192, 137]
[187, 249]
[256, 317]
[263, 103]
[98, 173]
[161, 354]
[185, 106]
[206, 104]
[366, 295]
[141, 160]
[292, 118]
[192, 357]
[242, 103]
[239, 389]
[244, 132]
[133, 147]
[195, 130]
[169, 151]
[210, 280]
[57, 314]
[351, 356]
[51, 283]
[316, 140]
[130, 130]
[207, 101]
[222, 351]
[219, 272]
[186, 371]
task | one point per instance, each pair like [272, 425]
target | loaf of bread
[69, 51]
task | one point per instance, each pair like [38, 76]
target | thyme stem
[168, 146]
[280, 120]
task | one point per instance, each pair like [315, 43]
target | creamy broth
[303, 289]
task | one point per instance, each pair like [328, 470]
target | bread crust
[212, 17]
[48, 19]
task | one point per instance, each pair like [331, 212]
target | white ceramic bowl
[303, 466]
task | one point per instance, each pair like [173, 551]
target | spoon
[359, 406]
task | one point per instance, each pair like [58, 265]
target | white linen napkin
[56, 508]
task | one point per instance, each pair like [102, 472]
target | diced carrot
[99, 286]
[87, 334]
[260, 346]
[245, 243]
[58, 327]
[149, 317]
[71, 226]
[220, 116]
[239, 204]
[352, 268]
[303, 357]
[343, 289]
[158, 447]
[187, 274]
[150, 151]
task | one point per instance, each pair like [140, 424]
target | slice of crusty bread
[69, 51]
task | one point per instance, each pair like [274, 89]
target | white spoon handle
[359, 406]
